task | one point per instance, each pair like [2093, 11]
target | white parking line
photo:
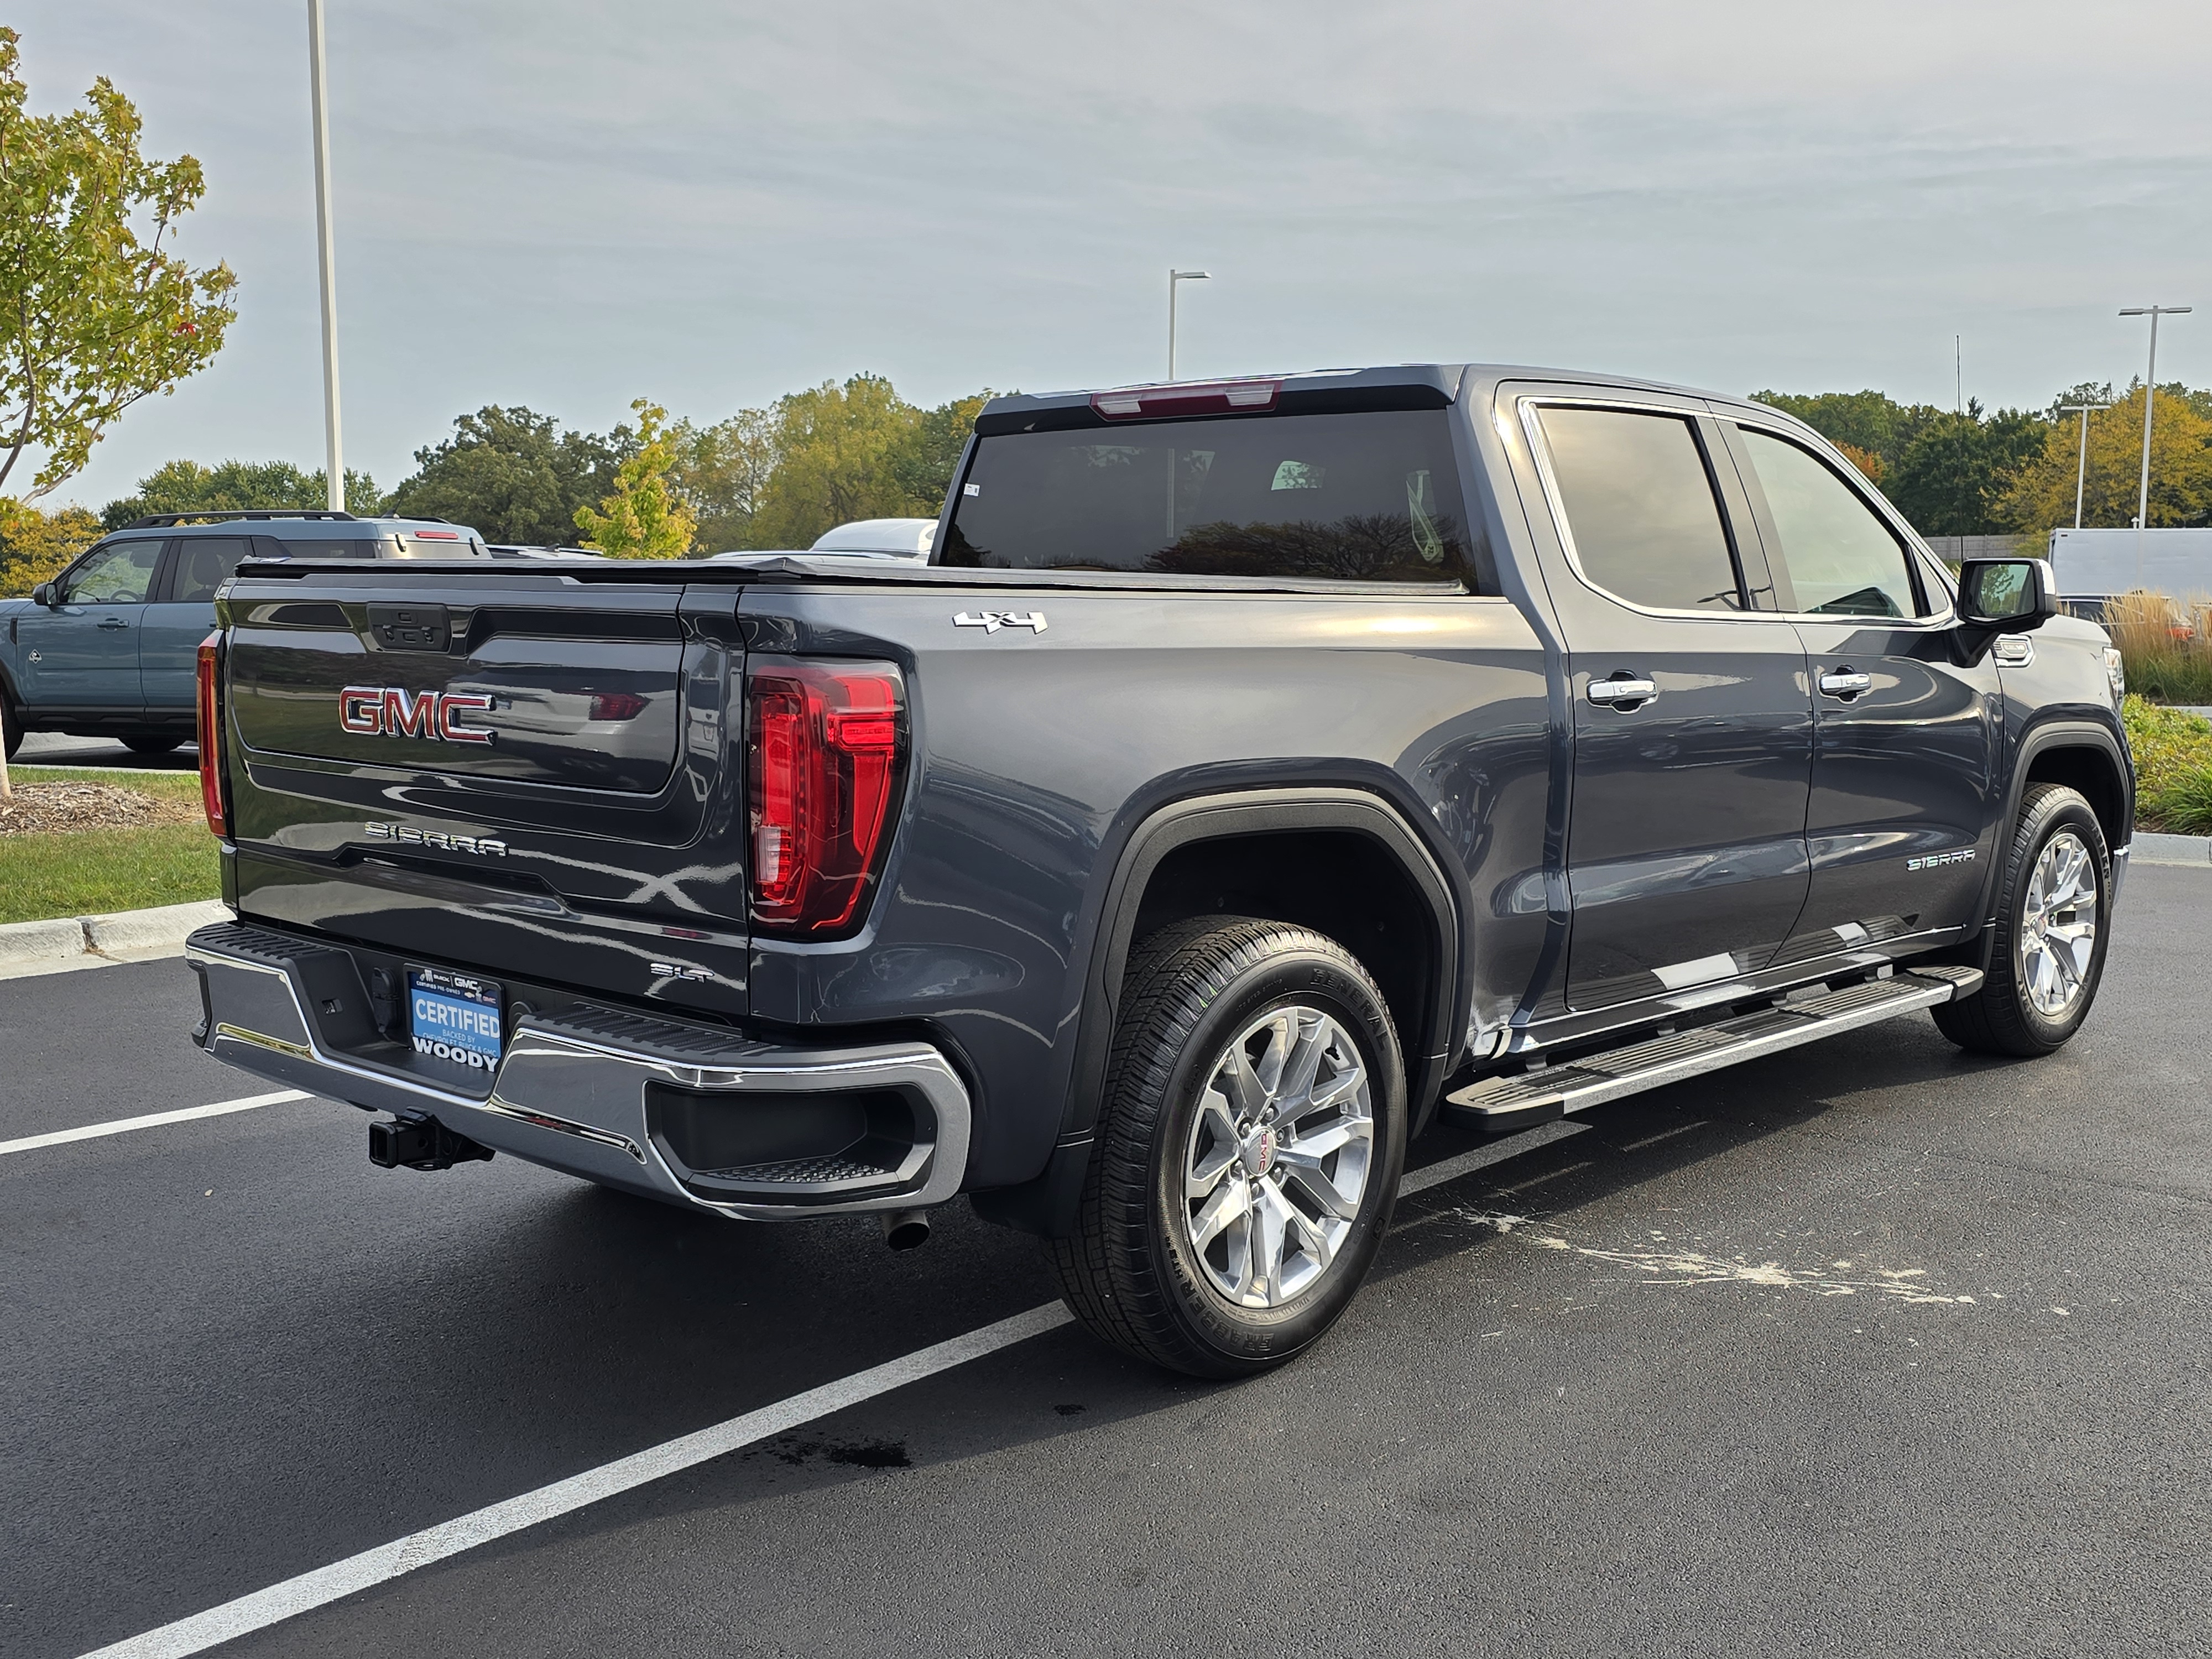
[386, 1561]
[152, 1120]
[372, 1567]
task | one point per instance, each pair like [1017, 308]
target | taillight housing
[208, 681]
[825, 743]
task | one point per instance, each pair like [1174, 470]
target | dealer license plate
[454, 1019]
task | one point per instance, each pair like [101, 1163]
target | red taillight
[617, 705]
[210, 734]
[1185, 397]
[823, 746]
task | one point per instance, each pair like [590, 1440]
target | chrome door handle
[1612, 692]
[1845, 682]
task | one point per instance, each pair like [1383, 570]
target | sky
[711, 203]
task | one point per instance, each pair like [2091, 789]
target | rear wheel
[151, 745]
[2054, 915]
[1250, 1144]
[11, 729]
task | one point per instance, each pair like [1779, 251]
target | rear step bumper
[710, 1119]
[1497, 1104]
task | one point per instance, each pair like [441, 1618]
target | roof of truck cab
[1398, 385]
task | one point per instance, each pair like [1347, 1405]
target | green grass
[95, 870]
[2173, 768]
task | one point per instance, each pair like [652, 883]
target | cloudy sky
[569, 204]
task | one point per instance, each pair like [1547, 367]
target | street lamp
[1174, 276]
[334, 462]
[2082, 468]
[2150, 397]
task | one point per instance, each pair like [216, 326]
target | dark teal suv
[107, 648]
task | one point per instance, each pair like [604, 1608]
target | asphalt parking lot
[1867, 1348]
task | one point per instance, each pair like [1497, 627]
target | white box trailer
[2095, 564]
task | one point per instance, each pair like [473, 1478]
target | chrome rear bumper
[573, 1094]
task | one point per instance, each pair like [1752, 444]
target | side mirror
[43, 594]
[2007, 596]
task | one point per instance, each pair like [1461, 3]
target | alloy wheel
[2059, 925]
[1278, 1158]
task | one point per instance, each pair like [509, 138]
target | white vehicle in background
[2096, 565]
[909, 539]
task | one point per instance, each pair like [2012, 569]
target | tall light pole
[1174, 276]
[334, 462]
[2082, 467]
[2150, 399]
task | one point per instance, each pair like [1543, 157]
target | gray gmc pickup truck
[1257, 772]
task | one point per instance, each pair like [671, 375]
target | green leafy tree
[1960, 467]
[92, 318]
[857, 450]
[236, 486]
[34, 545]
[2039, 497]
[512, 473]
[924, 463]
[721, 472]
[1871, 422]
[642, 517]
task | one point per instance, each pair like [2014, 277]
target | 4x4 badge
[992, 621]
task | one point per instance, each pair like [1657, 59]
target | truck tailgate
[528, 774]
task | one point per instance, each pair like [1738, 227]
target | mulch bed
[41, 809]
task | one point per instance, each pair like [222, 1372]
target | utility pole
[2150, 398]
[1174, 276]
[1959, 374]
[2082, 467]
[334, 461]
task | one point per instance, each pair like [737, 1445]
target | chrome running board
[1497, 1104]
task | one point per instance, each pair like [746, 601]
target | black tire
[1134, 1270]
[11, 729]
[151, 745]
[2003, 1017]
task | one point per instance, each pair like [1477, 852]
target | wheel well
[2089, 771]
[1337, 882]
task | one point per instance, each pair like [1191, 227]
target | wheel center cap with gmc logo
[1258, 1155]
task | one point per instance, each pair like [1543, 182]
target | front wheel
[1250, 1142]
[11, 729]
[2053, 922]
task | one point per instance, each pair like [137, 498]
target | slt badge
[992, 621]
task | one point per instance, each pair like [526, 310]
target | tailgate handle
[410, 627]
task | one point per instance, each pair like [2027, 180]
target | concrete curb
[2147, 848]
[72, 942]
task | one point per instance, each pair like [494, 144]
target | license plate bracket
[454, 1019]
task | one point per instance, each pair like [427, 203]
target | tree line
[1972, 473]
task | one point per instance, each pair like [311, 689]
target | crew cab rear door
[1692, 716]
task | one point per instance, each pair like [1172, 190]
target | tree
[91, 318]
[1866, 460]
[1871, 422]
[721, 472]
[837, 460]
[1960, 467]
[512, 473]
[34, 546]
[235, 486]
[642, 517]
[2040, 496]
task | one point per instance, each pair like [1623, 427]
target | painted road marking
[323, 1585]
[152, 1120]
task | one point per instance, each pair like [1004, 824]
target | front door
[1905, 780]
[1692, 720]
[83, 653]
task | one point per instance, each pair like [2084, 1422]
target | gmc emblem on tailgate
[388, 711]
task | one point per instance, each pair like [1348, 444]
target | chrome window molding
[1529, 406]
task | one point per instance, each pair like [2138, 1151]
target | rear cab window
[1371, 496]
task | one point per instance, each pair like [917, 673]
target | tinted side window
[203, 562]
[353, 548]
[1370, 496]
[1640, 505]
[1842, 559]
[118, 574]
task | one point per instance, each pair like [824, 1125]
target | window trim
[1530, 405]
[1937, 596]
